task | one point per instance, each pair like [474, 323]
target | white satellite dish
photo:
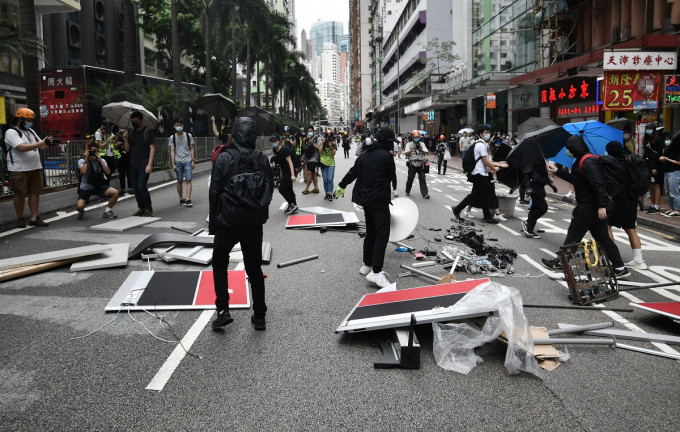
[403, 218]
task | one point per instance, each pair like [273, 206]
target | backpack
[639, 174]
[469, 161]
[246, 196]
[309, 150]
[96, 177]
[614, 172]
[174, 144]
[297, 163]
[216, 152]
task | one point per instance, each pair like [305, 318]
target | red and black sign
[571, 91]
[623, 88]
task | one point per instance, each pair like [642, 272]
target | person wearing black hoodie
[535, 180]
[375, 172]
[229, 229]
[592, 204]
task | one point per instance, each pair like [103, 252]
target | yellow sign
[3, 116]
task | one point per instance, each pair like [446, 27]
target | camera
[92, 152]
[52, 141]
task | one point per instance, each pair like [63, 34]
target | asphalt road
[298, 374]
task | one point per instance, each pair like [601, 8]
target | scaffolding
[555, 32]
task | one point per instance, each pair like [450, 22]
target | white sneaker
[569, 194]
[468, 215]
[639, 265]
[364, 270]
[499, 218]
[379, 279]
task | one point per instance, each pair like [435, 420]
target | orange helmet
[442, 137]
[415, 133]
[25, 113]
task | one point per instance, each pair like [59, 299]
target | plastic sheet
[454, 344]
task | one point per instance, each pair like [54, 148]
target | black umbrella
[266, 124]
[620, 123]
[511, 176]
[550, 140]
[533, 124]
[217, 105]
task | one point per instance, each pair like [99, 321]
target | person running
[482, 192]
[415, 154]
[327, 160]
[592, 202]
[535, 181]
[374, 172]
[284, 159]
[183, 157]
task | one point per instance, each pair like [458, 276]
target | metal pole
[297, 261]
[565, 341]
[419, 272]
[579, 307]
[647, 351]
[581, 329]
[657, 285]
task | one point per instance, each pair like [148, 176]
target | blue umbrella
[562, 158]
[595, 134]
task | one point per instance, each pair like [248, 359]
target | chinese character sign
[491, 100]
[672, 93]
[571, 91]
[622, 88]
[578, 110]
[639, 60]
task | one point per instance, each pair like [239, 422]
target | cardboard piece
[195, 254]
[546, 355]
[58, 255]
[116, 257]
[124, 224]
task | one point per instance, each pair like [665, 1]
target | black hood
[384, 138]
[577, 146]
[244, 132]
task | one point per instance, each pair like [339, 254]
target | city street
[299, 374]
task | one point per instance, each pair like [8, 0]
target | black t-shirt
[672, 152]
[140, 147]
[281, 155]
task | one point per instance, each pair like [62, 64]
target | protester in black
[375, 172]
[283, 158]
[535, 181]
[652, 150]
[139, 143]
[248, 233]
[592, 205]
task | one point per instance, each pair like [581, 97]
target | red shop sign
[622, 88]
[573, 90]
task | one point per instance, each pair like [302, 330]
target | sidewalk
[655, 221]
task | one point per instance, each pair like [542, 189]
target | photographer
[24, 166]
[94, 173]
[415, 154]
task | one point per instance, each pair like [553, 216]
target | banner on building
[672, 91]
[624, 90]
[3, 114]
[639, 60]
[571, 91]
[491, 100]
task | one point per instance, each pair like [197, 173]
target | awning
[54, 6]
[492, 82]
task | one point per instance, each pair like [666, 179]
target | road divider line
[511, 231]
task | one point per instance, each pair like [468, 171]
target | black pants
[583, 219]
[522, 192]
[346, 152]
[124, 171]
[538, 205]
[112, 163]
[286, 189]
[412, 171]
[441, 161]
[250, 238]
[377, 235]
[480, 196]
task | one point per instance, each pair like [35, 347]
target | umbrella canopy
[595, 134]
[264, 120]
[119, 114]
[533, 124]
[466, 129]
[217, 104]
[550, 139]
[511, 176]
[621, 123]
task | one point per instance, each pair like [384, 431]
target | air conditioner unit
[73, 34]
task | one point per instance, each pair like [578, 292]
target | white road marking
[283, 206]
[436, 190]
[452, 198]
[165, 372]
[513, 232]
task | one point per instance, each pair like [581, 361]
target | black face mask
[136, 124]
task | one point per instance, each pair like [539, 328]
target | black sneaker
[183, 202]
[490, 220]
[524, 203]
[148, 213]
[527, 232]
[189, 203]
[622, 274]
[552, 264]
[456, 214]
[290, 209]
[426, 197]
[258, 322]
[81, 214]
[38, 222]
[21, 222]
[223, 318]
[652, 210]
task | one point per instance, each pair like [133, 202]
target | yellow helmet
[25, 113]
[415, 133]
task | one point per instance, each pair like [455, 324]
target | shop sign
[623, 88]
[491, 100]
[578, 110]
[570, 91]
[639, 60]
[672, 92]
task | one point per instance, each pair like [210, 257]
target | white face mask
[486, 137]
[179, 128]
[626, 136]
[28, 125]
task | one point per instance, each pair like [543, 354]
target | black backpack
[246, 196]
[174, 144]
[95, 175]
[639, 174]
[614, 172]
[469, 161]
[297, 163]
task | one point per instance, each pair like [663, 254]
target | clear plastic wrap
[454, 344]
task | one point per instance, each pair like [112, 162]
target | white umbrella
[119, 114]
[467, 129]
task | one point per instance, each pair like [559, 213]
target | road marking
[513, 232]
[436, 190]
[655, 232]
[283, 206]
[452, 198]
[165, 372]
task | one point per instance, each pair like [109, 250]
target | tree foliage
[443, 55]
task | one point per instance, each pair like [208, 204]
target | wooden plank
[18, 272]
[58, 255]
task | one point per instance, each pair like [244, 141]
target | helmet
[25, 113]
[442, 137]
[415, 133]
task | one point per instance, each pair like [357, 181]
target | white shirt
[480, 149]
[464, 143]
[18, 160]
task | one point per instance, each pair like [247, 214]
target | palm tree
[15, 42]
[27, 21]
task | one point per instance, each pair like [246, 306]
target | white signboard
[639, 60]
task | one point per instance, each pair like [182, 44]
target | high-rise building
[329, 85]
[326, 31]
